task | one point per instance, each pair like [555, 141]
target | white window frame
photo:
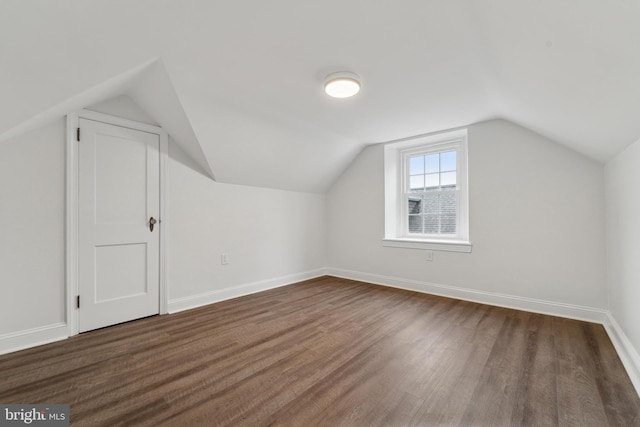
[396, 157]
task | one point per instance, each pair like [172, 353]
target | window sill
[434, 245]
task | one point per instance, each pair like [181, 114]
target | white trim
[72, 207]
[118, 121]
[71, 241]
[32, 337]
[165, 223]
[627, 353]
[433, 245]
[193, 301]
[589, 314]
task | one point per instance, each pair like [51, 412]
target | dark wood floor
[332, 352]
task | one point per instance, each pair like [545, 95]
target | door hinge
[78, 134]
[78, 301]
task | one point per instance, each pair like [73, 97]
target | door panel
[121, 271]
[118, 255]
[120, 181]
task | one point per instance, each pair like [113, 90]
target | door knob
[152, 222]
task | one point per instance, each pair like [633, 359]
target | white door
[118, 247]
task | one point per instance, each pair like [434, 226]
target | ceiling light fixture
[342, 84]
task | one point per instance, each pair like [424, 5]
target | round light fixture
[342, 84]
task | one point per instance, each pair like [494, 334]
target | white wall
[622, 181]
[32, 217]
[536, 222]
[266, 233]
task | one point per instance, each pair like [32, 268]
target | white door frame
[72, 207]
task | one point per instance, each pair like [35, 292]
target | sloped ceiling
[149, 89]
[247, 75]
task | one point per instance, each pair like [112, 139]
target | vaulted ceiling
[244, 78]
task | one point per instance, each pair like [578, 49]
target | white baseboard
[193, 301]
[589, 314]
[33, 337]
[627, 353]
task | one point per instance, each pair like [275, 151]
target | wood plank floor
[332, 352]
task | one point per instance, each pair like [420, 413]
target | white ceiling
[248, 74]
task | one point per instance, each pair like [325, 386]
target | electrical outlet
[224, 259]
[428, 256]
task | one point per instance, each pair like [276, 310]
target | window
[426, 193]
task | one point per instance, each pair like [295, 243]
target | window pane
[448, 161]
[415, 224]
[448, 208]
[431, 224]
[432, 163]
[432, 181]
[415, 205]
[431, 202]
[448, 224]
[448, 179]
[416, 165]
[416, 183]
[448, 202]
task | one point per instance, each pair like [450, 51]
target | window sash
[406, 155]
